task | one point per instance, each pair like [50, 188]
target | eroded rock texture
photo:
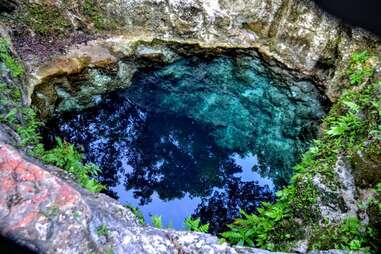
[49, 214]
[41, 208]
[295, 32]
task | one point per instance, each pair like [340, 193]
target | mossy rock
[366, 168]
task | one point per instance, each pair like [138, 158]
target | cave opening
[202, 136]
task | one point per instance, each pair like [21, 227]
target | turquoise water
[204, 136]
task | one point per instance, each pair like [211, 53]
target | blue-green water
[202, 136]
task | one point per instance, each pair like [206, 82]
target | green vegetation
[92, 9]
[195, 225]
[157, 221]
[349, 235]
[48, 18]
[77, 215]
[44, 18]
[137, 212]
[102, 230]
[24, 121]
[65, 156]
[352, 122]
[378, 202]
[13, 65]
[109, 251]
[359, 69]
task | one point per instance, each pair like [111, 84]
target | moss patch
[93, 10]
[43, 18]
[52, 19]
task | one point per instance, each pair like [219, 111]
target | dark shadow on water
[201, 137]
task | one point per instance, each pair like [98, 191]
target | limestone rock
[42, 209]
[296, 33]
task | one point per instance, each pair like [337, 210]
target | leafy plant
[349, 235]
[65, 155]
[102, 230]
[359, 70]
[137, 212]
[157, 221]
[345, 125]
[254, 230]
[195, 225]
[13, 65]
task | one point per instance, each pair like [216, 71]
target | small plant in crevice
[137, 212]
[77, 215]
[52, 211]
[195, 225]
[157, 221]
[102, 230]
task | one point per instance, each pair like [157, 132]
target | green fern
[195, 225]
[359, 70]
[65, 155]
[14, 66]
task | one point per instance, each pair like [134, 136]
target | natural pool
[203, 136]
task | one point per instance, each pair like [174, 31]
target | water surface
[203, 136]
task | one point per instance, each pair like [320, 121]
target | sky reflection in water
[201, 137]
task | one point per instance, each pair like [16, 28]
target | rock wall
[42, 208]
[295, 32]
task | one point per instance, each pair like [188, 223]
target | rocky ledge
[42, 208]
[294, 32]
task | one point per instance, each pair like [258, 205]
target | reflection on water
[201, 137]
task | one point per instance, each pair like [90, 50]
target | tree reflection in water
[184, 138]
[164, 154]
